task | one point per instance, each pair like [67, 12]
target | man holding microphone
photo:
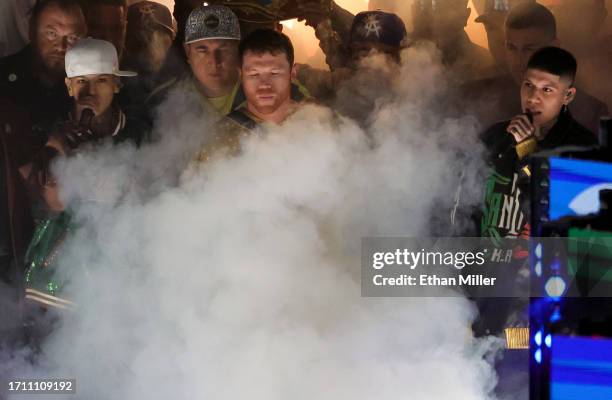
[546, 90]
[546, 123]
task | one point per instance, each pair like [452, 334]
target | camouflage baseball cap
[211, 22]
[150, 15]
[378, 26]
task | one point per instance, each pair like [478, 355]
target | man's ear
[186, 48]
[294, 71]
[570, 95]
[118, 85]
[67, 82]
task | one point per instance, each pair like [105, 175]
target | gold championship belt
[265, 11]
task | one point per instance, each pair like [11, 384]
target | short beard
[55, 69]
[50, 71]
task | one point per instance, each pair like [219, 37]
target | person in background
[444, 22]
[362, 86]
[107, 20]
[388, 38]
[376, 32]
[150, 33]
[212, 35]
[528, 27]
[332, 27]
[14, 16]
[493, 19]
[33, 79]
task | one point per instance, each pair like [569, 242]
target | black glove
[73, 134]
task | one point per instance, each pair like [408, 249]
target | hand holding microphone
[524, 133]
[81, 132]
[521, 127]
[73, 135]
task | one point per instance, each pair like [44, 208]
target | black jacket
[506, 214]
[20, 86]
[16, 223]
[506, 206]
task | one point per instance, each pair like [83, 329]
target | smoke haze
[244, 279]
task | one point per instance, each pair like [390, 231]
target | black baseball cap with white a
[93, 57]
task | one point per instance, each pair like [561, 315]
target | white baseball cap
[93, 57]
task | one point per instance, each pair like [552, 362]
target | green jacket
[41, 285]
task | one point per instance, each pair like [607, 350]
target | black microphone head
[86, 117]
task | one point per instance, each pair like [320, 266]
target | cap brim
[167, 29]
[212, 38]
[125, 73]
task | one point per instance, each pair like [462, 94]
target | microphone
[529, 145]
[81, 132]
[87, 116]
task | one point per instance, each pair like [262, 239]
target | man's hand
[314, 11]
[38, 172]
[521, 128]
[69, 136]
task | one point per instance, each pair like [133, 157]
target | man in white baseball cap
[92, 79]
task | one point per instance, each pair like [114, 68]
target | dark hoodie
[506, 205]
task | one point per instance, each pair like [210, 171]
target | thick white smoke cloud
[244, 280]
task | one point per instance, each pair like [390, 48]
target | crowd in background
[96, 70]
